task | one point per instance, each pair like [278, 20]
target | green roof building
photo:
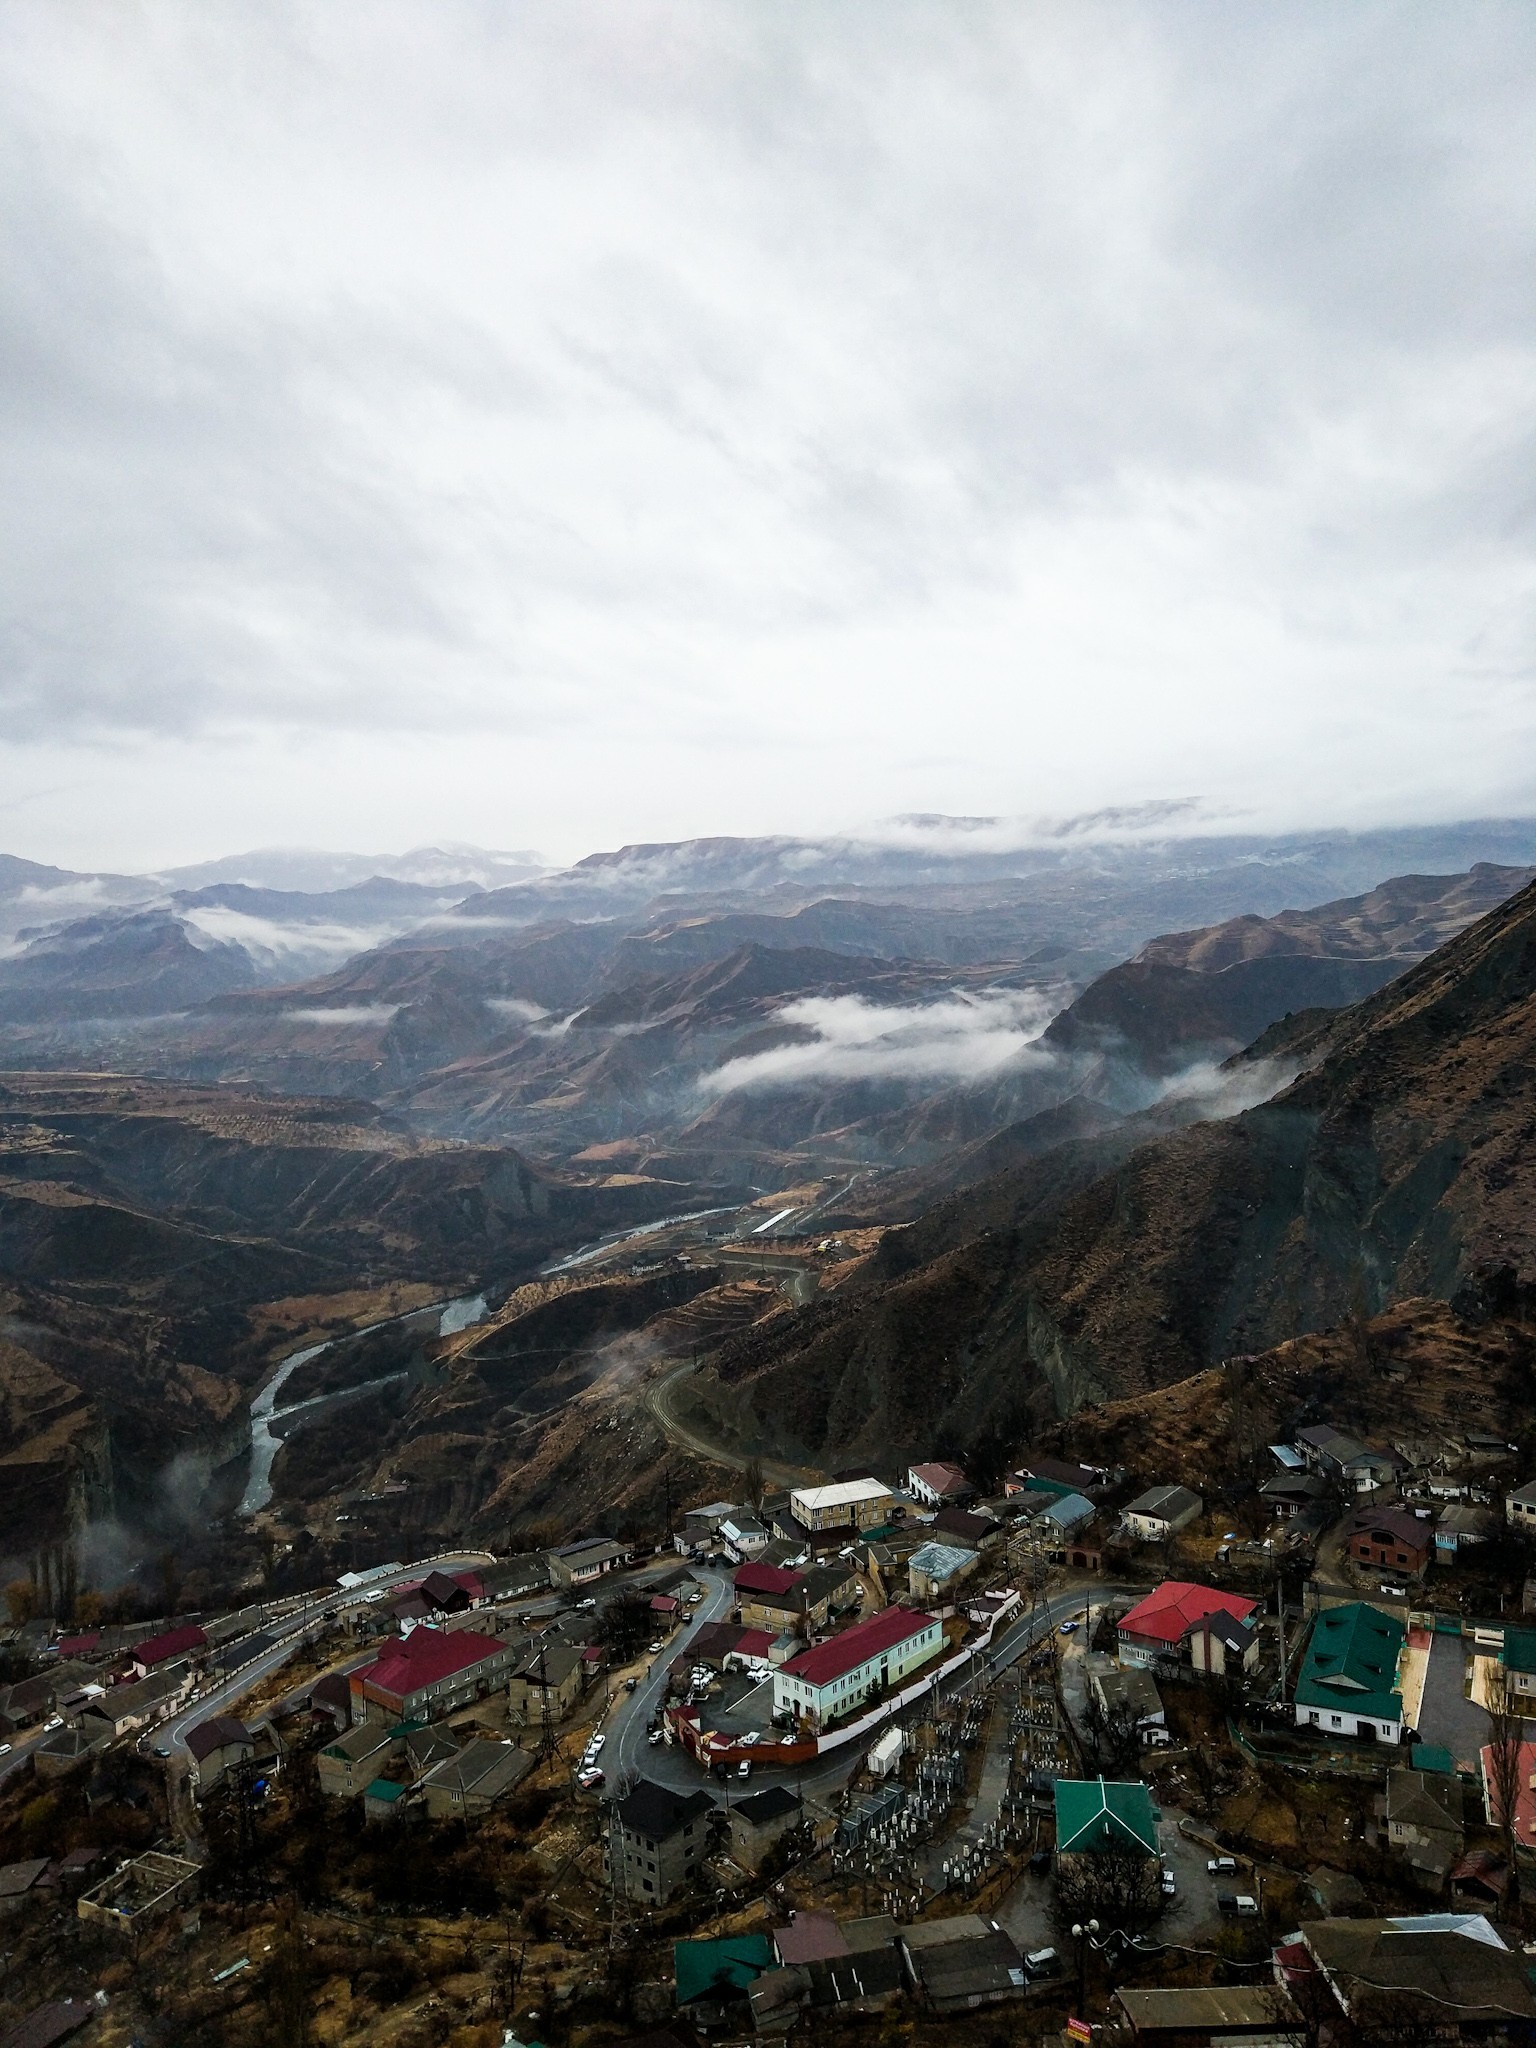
[1348, 1683]
[719, 1970]
[1093, 1816]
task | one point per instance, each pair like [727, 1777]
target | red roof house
[1155, 1628]
[161, 1649]
[429, 1672]
[766, 1578]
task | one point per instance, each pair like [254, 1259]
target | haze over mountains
[1026, 1056]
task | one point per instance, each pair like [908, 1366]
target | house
[701, 1526]
[427, 1746]
[187, 1641]
[1131, 1693]
[1183, 1622]
[429, 1672]
[847, 1504]
[214, 1745]
[1161, 1512]
[1459, 1528]
[1520, 1506]
[1525, 1795]
[1423, 1813]
[583, 1563]
[384, 1800]
[1062, 1472]
[332, 1696]
[776, 1597]
[474, 1779]
[1094, 1816]
[34, 1699]
[123, 1708]
[1348, 1683]
[1189, 2016]
[711, 1976]
[1518, 1661]
[934, 1569]
[345, 1766]
[963, 1962]
[1290, 1493]
[1061, 1519]
[1390, 1539]
[20, 1883]
[755, 1823]
[545, 1683]
[59, 1753]
[974, 1532]
[660, 1838]
[744, 1536]
[939, 1485]
[846, 1672]
[809, 1937]
[1454, 1962]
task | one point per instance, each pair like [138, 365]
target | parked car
[586, 1606]
[56, 1722]
[1220, 1864]
[5, 1749]
[1068, 1628]
[589, 1780]
[630, 1684]
[1170, 1883]
[656, 1736]
[657, 1646]
[1043, 1962]
[596, 1744]
[1247, 1908]
[744, 1768]
[162, 1749]
[1040, 1862]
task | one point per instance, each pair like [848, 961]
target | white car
[596, 1744]
[589, 1780]
[749, 1738]
[655, 1737]
[1170, 1886]
[5, 1749]
[586, 1606]
[56, 1722]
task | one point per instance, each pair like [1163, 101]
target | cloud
[968, 1038]
[276, 944]
[667, 418]
[345, 1014]
[517, 1008]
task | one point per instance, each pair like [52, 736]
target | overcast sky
[556, 425]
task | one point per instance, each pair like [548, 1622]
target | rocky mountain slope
[1396, 1164]
[146, 1229]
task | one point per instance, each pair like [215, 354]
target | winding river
[452, 1316]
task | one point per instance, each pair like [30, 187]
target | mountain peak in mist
[450, 866]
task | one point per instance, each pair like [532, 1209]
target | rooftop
[856, 1645]
[1164, 1500]
[1092, 1815]
[424, 1657]
[1168, 1614]
[845, 1493]
[1351, 1662]
[704, 1968]
[655, 1811]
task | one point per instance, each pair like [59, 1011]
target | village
[1088, 1756]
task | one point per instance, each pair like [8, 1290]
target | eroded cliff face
[1399, 1163]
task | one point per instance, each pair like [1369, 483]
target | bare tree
[1506, 1778]
[1118, 1887]
[1111, 1737]
[753, 1484]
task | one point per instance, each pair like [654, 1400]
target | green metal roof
[384, 1788]
[1428, 1756]
[1351, 1663]
[1519, 1652]
[707, 1968]
[1092, 1815]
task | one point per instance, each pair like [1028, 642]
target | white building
[1161, 1512]
[852, 1503]
[843, 1675]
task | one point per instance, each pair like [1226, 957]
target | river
[452, 1316]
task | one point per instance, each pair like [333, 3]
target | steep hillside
[1397, 1165]
[146, 1228]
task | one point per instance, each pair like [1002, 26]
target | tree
[753, 1484]
[1111, 1737]
[21, 1600]
[1119, 1887]
[1506, 1779]
[624, 1623]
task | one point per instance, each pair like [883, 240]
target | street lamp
[1080, 1934]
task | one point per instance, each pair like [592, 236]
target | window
[1337, 1720]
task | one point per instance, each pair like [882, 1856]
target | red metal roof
[176, 1642]
[755, 1642]
[766, 1578]
[857, 1645]
[423, 1657]
[1168, 1614]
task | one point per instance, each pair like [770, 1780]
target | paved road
[627, 1752]
[658, 1400]
[172, 1734]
